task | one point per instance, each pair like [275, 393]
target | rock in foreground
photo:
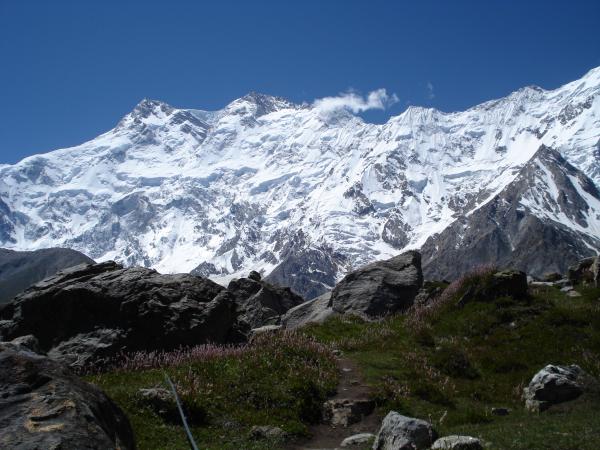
[90, 312]
[44, 406]
[399, 432]
[380, 288]
[552, 385]
[457, 443]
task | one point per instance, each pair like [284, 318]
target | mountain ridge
[226, 191]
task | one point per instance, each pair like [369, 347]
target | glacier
[264, 181]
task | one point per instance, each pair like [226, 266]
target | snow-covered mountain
[305, 193]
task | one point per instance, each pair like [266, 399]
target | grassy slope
[450, 367]
[280, 380]
[456, 364]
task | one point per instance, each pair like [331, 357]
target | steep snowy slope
[545, 220]
[265, 184]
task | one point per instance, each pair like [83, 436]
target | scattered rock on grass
[267, 432]
[552, 385]
[586, 271]
[500, 411]
[399, 432]
[358, 439]
[345, 412]
[160, 401]
[457, 443]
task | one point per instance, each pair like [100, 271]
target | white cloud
[351, 101]
[430, 91]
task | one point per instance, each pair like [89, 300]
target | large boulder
[380, 288]
[259, 303]
[399, 432]
[19, 270]
[45, 406]
[586, 271]
[90, 312]
[552, 385]
[312, 311]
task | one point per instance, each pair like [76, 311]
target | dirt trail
[351, 386]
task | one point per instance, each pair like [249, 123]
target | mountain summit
[268, 185]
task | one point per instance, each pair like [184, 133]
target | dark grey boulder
[91, 312]
[312, 311]
[259, 303]
[586, 271]
[19, 270]
[400, 432]
[554, 384]
[45, 406]
[380, 288]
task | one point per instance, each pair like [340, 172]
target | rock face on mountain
[523, 226]
[44, 406]
[90, 312]
[19, 270]
[380, 288]
[268, 185]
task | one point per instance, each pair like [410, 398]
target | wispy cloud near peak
[351, 101]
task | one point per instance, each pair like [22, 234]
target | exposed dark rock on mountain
[44, 406]
[19, 270]
[309, 272]
[91, 311]
[520, 226]
[379, 288]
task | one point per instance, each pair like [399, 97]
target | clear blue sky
[70, 69]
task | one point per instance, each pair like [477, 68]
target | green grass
[280, 380]
[453, 364]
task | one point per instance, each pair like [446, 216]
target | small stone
[358, 439]
[267, 432]
[500, 411]
[566, 288]
[160, 401]
[457, 443]
[355, 382]
[573, 294]
[345, 412]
